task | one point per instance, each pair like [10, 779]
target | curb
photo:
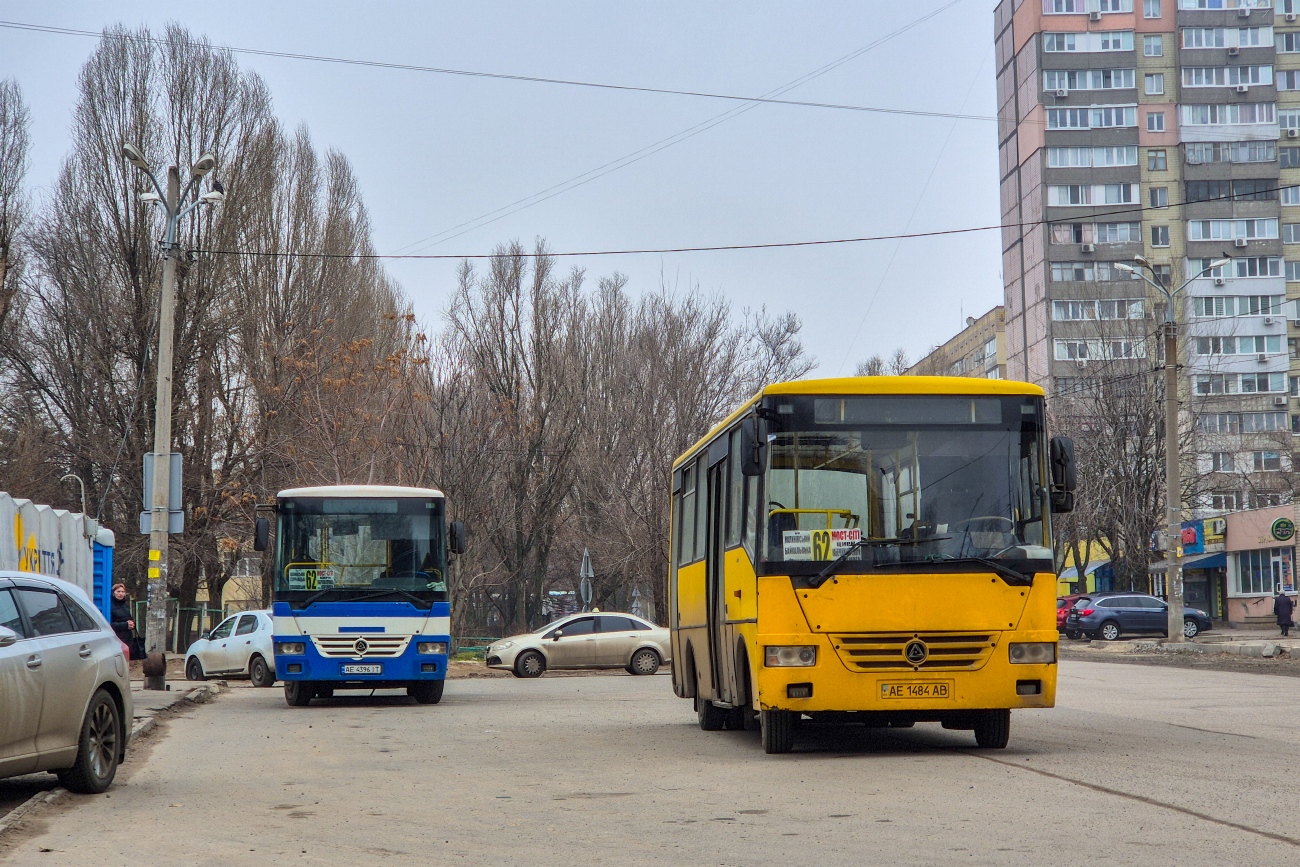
[12, 819]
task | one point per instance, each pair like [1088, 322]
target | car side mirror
[7, 636]
[261, 534]
[1065, 475]
[752, 446]
[555, 636]
[456, 537]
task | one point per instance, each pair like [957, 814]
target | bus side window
[737, 482]
[686, 538]
[752, 515]
[702, 506]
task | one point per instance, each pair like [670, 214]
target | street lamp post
[1173, 484]
[159, 516]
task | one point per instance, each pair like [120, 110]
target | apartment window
[1229, 114]
[1204, 37]
[1164, 274]
[1288, 79]
[1091, 194]
[1087, 272]
[1059, 42]
[1289, 158]
[1225, 306]
[1150, 8]
[1290, 234]
[1227, 501]
[1157, 160]
[1294, 382]
[1116, 233]
[1258, 266]
[1266, 462]
[1064, 7]
[1159, 197]
[1288, 43]
[1080, 350]
[1089, 79]
[1229, 230]
[1083, 311]
[1244, 189]
[1070, 157]
[1289, 195]
[1250, 345]
[1153, 46]
[1155, 83]
[1226, 76]
[1155, 121]
[1222, 462]
[1292, 272]
[1240, 422]
[1198, 153]
[1159, 236]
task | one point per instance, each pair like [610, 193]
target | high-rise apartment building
[1170, 130]
[978, 350]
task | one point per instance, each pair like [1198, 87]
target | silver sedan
[65, 697]
[604, 640]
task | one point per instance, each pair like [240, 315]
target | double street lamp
[159, 516]
[1173, 485]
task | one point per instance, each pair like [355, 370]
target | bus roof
[361, 491]
[854, 385]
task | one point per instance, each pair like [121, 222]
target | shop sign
[1283, 529]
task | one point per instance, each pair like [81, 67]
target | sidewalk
[148, 705]
[1237, 642]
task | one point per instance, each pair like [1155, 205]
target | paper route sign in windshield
[819, 544]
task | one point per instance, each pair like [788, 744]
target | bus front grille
[373, 645]
[945, 651]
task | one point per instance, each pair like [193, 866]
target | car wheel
[1109, 630]
[530, 664]
[778, 730]
[1072, 634]
[1190, 628]
[426, 691]
[993, 728]
[194, 669]
[98, 748]
[259, 672]
[644, 661]
[299, 693]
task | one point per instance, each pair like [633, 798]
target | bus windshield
[899, 479]
[351, 548]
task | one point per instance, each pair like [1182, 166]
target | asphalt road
[1136, 765]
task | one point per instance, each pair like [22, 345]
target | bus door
[720, 655]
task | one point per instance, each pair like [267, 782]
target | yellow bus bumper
[833, 686]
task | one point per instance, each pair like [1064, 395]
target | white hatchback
[65, 697]
[240, 645]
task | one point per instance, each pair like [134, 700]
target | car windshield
[345, 547]
[910, 479]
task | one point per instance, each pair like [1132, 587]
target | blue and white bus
[360, 593]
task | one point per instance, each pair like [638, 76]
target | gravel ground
[1284, 665]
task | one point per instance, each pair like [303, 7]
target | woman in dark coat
[1284, 607]
[121, 621]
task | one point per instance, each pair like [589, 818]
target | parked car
[240, 645]
[1110, 615]
[596, 640]
[1063, 606]
[65, 695]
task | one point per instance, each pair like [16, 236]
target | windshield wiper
[820, 578]
[306, 603]
[378, 593]
[1011, 576]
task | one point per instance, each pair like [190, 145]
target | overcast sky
[433, 151]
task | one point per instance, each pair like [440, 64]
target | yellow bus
[872, 550]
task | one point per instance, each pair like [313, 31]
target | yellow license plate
[914, 689]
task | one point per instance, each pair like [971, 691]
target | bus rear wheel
[426, 691]
[993, 729]
[298, 693]
[778, 730]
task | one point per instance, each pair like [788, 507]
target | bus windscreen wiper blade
[1012, 576]
[820, 578]
[379, 593]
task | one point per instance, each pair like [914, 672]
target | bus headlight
[291, 648]
[1032, 653]
[798, 655]
[431, 647]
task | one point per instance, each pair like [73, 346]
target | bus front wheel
[298, 693]
[993, 729]
[426, 691]
[778, 730]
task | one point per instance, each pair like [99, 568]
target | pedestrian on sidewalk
[122, 622]
[1284, 607]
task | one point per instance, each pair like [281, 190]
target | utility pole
[155, 636]
[1173, 484]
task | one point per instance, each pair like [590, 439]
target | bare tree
[15, 146]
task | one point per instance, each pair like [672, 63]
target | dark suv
[1109, 615]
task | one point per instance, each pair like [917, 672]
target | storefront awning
[1207, 561]
[1072, 574]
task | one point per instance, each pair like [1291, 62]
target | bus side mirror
[752, 447]
[1065, 474]
[261, 534]
[456, 537]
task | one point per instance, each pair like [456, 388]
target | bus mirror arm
[261, 534]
